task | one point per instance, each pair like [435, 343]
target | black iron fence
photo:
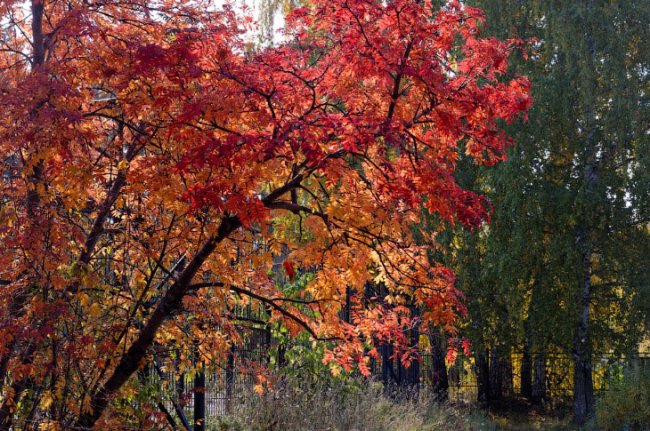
[225, 386]
[214, 389]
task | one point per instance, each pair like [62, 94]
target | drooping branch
[271, 302]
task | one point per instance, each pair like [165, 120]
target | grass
[340, 407]
[517, 414]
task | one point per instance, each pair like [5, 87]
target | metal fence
[217, 388]
[218, 385]
[226, 385]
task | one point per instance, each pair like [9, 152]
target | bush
[626, 406]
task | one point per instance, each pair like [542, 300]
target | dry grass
[344, 407]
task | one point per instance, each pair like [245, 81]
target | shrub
[626, 406]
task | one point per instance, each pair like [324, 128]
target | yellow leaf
[259, 389]
[335, 370]
[46, 400]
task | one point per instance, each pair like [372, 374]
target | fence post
[230, 378]
[199, 392]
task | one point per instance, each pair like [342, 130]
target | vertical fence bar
[199, 393]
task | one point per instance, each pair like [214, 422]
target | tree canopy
[562, 268]
[157, 171]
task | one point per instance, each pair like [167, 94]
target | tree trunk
[506, 376]
[12, 393]
[180, 383]
[439, 377]
[583, 390]
[199, 401]
[411, 380]
[526, 373]
[169, 305]
[387, 373]
[538, 390]
[483, 377]
[496, 384]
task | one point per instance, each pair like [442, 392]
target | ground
[518, 414]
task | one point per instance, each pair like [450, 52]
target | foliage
[561, 267]
[150, 162]
[626, 406]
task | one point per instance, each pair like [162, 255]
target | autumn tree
[151, 161]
